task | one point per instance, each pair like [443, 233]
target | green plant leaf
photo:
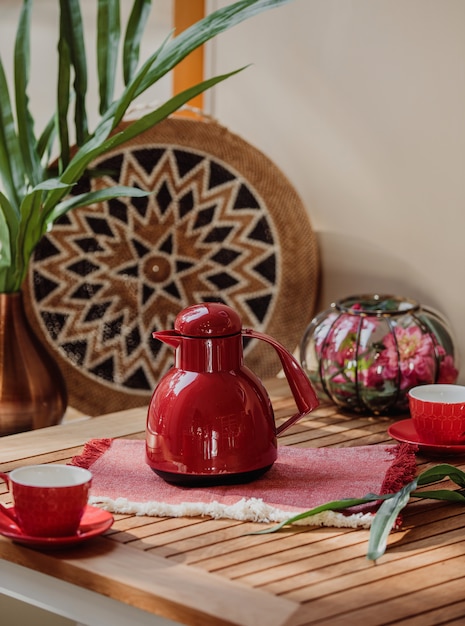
[441, 494]
[11, 163]
[50, 184]
[63, 94]
[10, 212]
[27, 236]
[33, 226]
[46, 139]
[9, 222]
[5, 253]
[440, 472]
[9, 234]
[27, 140]
[93, 197]
[108, 38]
[118, 109]
[73, 34]
[79, 162]
[385, 519]
[202, 31]
[134, 31]
[173, 104]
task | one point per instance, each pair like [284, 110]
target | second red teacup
[49, 500]
[438, 413]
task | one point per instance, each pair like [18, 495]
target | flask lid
[209, 319]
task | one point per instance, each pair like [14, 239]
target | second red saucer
[405, 432]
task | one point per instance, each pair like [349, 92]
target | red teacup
[49, 500]
[438, 413]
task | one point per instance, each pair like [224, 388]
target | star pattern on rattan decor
[109, 275]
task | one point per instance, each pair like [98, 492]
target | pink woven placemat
[300, 479]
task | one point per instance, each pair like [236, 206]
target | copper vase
[32, 389]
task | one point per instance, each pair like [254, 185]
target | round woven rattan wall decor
[222, 223]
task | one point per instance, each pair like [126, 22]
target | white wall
[362, 104]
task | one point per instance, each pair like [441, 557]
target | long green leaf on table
[391, 505]
[388, 512]
[385, 519]
[448, 495]
[439, 472]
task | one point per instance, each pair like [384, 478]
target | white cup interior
[445, 394]
[50, 475]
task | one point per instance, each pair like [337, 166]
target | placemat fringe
[246, 510]
[92, 451]
[402, 469]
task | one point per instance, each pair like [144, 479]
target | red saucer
[94, 522]
[405, 432]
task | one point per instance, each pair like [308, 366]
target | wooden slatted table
[204, 571]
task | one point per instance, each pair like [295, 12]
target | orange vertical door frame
[191, 70]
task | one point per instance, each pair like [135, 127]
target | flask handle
[299, 383]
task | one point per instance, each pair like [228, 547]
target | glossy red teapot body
[210, 420]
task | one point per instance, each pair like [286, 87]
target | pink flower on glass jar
[342, 345]
[447, 371]
[409, 350]
[374, 375]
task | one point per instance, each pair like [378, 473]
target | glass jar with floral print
[365, 352]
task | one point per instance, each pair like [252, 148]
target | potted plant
[37, 172]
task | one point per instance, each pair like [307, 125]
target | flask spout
[170, 337]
